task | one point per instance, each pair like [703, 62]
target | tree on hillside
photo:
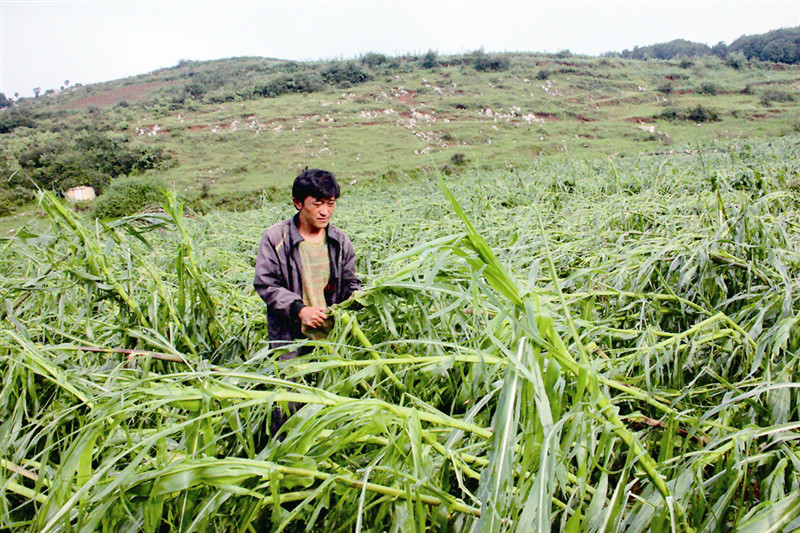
[92, 159]
[669, 50]
[736, 60]
[720, 50]
[36, 91]
[373, 59]
[429, 60]
[779, 46]
[5, 102]
[344, 73]
[484, 62]
[16, 117]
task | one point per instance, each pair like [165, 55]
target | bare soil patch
[130, 93]
[624, 100]
[767, 113]
[407, 98]
[639, 120]
[776, 82]
[547, 116]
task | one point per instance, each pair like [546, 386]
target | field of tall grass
[609, 345]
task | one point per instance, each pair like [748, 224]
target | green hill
[233, 128]
[778, 46]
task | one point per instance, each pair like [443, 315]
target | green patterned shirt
[315, 272]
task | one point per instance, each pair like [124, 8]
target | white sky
[44, 43]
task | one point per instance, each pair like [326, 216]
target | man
[305, 264]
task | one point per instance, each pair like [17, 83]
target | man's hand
[312, 316]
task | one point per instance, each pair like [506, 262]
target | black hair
[317, 183]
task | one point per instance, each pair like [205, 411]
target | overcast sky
[44, 43]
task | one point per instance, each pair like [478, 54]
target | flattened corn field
[584, 346]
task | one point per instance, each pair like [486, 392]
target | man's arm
[270, 284]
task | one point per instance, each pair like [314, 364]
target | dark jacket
[277, 279]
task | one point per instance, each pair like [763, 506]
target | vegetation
[15, 118]
[429, 60]
[697, 114]
[487, 63]
[669, 50]
[777, 46]
[605, 345]
[233, 128]
[129, 195]
[92, 159]
[567, 324]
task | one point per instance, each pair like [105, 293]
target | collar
[294, 231]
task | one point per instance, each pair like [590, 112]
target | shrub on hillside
[669, 113]
[126, 196]
[702, 114]
[373, 59]
[665, 88]
[458, 159]
[708, 88]
[429, 61]
[16, 118]
[736, 61]
[299, 82]
[773, 95]
[92, 159]
[695, 114]
[228, 95]
[394, 63]
[344, 73]
[489, 63]
[13, 197]
[289, 67]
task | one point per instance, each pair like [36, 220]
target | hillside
[239, 126]
[779, 46]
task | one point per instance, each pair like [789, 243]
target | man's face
[316, 212]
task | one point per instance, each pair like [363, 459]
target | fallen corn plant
[616, 353]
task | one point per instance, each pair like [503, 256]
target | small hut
[80, 194]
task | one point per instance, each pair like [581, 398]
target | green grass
[587, 108]
[363, 151]
[584, 345]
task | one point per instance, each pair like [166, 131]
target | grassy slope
[422, 118]
[413, 118]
